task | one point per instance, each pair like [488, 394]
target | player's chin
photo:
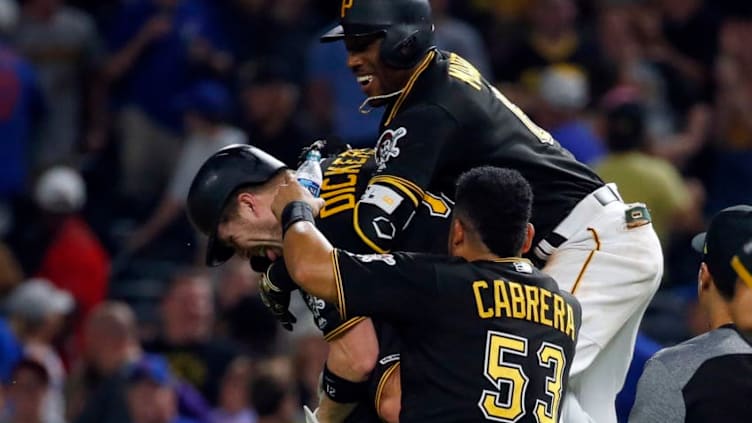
[372, 89]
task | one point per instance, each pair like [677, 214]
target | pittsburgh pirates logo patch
[386, 147]
[369, 258]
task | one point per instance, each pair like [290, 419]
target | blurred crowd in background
[108, 108]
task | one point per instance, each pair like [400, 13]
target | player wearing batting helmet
[441, 118]
[230, 202]
[482, 315]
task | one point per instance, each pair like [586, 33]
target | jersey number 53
[501, 372]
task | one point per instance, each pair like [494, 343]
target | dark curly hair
[497, 204]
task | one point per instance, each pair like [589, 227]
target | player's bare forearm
[333, 412]
[353, 354]
[308, 257]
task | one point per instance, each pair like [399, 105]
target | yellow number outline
[499, 373]
[550, 355]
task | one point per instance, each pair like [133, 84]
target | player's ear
[529, 235]
[248, 202]
[704, 279]
[457, 235]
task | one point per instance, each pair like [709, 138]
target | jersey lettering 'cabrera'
[449, 119]
[485, 340]
[512, 300]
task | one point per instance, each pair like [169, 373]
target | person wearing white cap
[73, 259]
[37, 311]
[564, 94]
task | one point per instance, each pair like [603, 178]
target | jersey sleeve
[407, 155]
[658, 398]
[391, 286]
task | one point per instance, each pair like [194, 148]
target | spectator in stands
[553, 38]
[187, 341]
[243, 316]
[623, 64]
[234, 397]
[10, 270]
[63, 44]
[674, 204]
[26, 394]
[21, 105]
[684, 41]
[11, 351]
[273, 399]
[159, 48]
[73, 258]
[731, 173]
[112, 346]
[734, 84]
[207, 108]
[37, 311]
[151, 393]
[455, 35]
[563, 93]
[270, 101]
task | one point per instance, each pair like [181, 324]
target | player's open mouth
[365, 80]
[272, 253]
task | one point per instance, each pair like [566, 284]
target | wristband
[295, 212]
[278, 276]
[341, 390]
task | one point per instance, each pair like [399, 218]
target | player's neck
[474, 252]
[718, 314]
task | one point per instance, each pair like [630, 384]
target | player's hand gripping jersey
[513, 333]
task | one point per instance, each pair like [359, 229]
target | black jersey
[345, 182]
[449, 119]
[485, 340]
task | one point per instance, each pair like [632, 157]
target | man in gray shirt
[709, 378]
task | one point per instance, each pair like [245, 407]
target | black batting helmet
[228, 169]
[405, 24]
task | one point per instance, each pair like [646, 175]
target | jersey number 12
[500, 372]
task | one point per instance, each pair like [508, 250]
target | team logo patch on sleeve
[386, 147]
[369, 258]
[382, 197]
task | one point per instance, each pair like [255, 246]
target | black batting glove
[276, 296]
[260, 264]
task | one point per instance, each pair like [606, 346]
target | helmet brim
[339, 32]
[335, 34]
[217, 253]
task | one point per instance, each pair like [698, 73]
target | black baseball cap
[742, 263]
[729, 230]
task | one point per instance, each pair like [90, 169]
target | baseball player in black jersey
[230, 200]
[485, 335]
[441, 118]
